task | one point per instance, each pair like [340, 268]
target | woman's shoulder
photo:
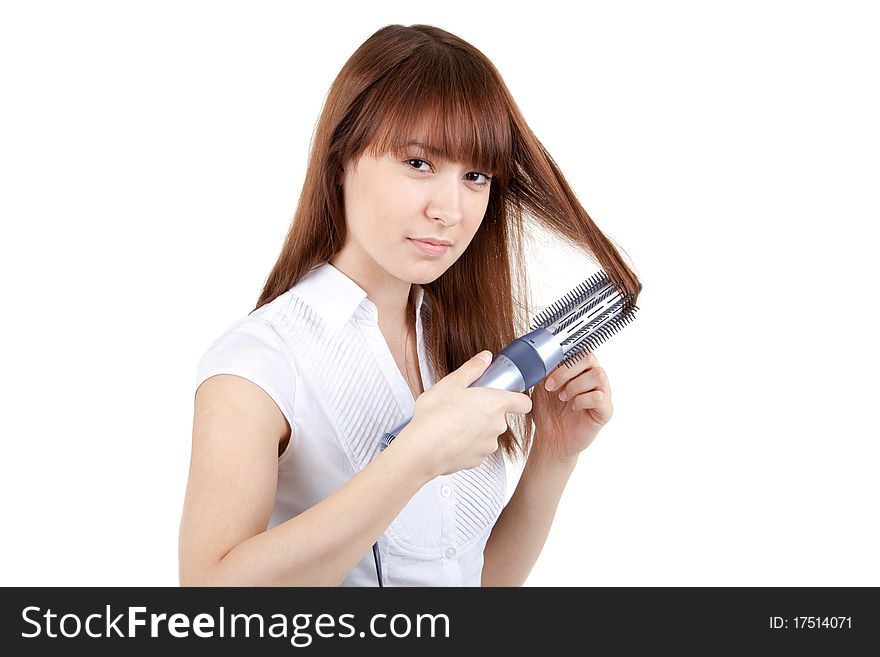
[252, 347]
[271, 323]
[257, 341]
[251, 332]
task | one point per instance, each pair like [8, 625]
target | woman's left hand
[586, 408]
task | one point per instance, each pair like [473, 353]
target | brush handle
[520, 365]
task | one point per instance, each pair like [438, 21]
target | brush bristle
[571, 300]
[589, 315]
[590, 339]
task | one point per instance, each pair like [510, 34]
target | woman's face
[391, 202]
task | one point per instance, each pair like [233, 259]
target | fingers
[597, 403]
[581, 380]
[512, 402]
[473, 368]
[523, 403]
[594, 379]
[561, 375]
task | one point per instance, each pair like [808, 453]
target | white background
[152, 155]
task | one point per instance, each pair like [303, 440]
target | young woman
[403, 265]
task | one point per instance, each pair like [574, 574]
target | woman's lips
[427, 247]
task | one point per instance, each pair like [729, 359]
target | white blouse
[318, 352]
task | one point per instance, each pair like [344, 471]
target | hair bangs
[451, 112]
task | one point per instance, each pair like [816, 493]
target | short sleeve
[252, 349]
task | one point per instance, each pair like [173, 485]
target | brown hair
[421, 82]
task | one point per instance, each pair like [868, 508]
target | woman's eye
[414, 159]
[484, 182]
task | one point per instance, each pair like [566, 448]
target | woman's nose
[446, 201]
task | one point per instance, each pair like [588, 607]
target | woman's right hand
[455, 427]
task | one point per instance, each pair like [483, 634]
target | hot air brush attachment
[587, 316]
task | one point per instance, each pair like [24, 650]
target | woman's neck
[391, 296]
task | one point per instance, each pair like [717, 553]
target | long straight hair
[425, 84]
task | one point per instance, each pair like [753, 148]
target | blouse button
[445, 491]
[450, 553]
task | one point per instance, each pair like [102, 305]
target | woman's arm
[522, 528]
[231, 490]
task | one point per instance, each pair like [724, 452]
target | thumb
[484, 358]
[475, 366]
